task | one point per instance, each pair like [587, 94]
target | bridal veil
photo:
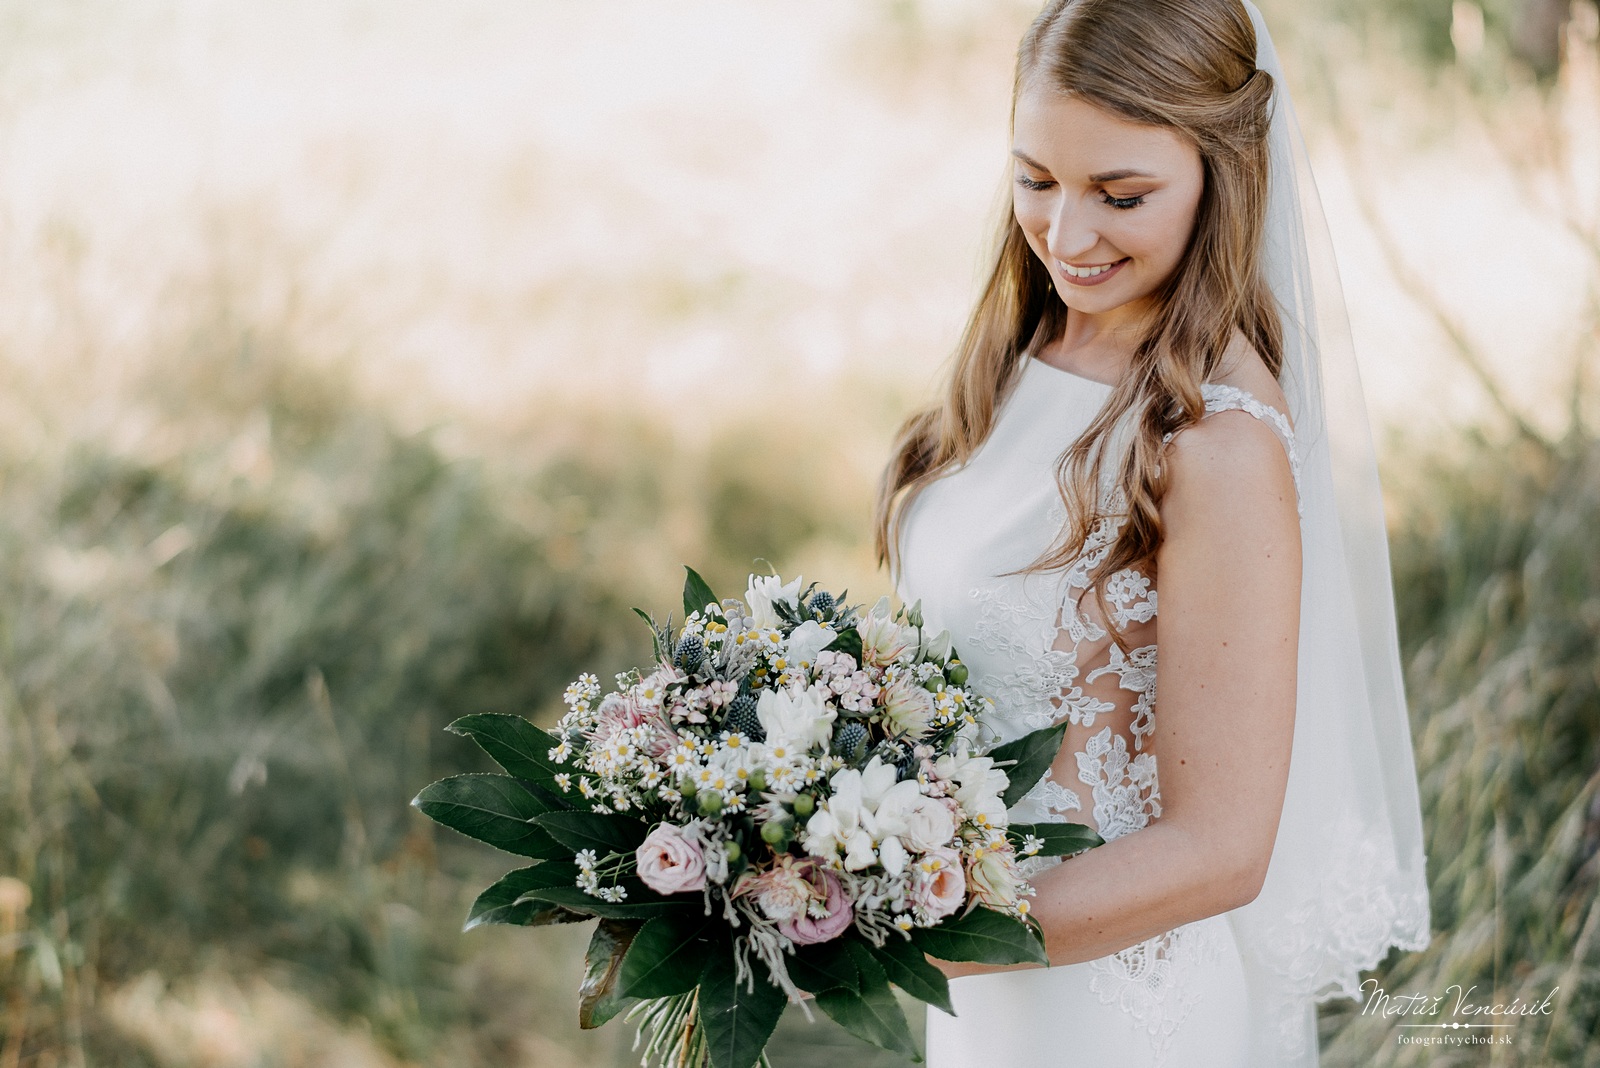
[1346, 880]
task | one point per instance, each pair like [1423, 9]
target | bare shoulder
[1243, 368]
[1231, 464]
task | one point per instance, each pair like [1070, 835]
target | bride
[1155, 392]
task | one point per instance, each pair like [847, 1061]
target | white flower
[937, 646]
[858, 851]
[921, 822]
[892, 855]
[979, 786]
[800, 718]
[763, 591]
[992, 877]
[883, 640]
[907, 707]
[806, 641]
[848, 818]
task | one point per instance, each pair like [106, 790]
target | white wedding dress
[1181, 999]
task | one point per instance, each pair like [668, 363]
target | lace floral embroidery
[1154, 981]
[1126, 797]
[1360, 909]
[1135, 671]
[1041, 683]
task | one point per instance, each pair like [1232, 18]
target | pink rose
[669, 863]
[938, 886]
[826, 888]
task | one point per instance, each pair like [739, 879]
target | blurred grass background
[363, 363]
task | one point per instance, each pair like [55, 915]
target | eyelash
[1120, 203]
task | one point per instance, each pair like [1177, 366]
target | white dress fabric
[1040, 649]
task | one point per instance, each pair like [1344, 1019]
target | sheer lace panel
[1050, 637]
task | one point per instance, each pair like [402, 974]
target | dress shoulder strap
[1221, 398]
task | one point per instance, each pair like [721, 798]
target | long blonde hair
[1188, 65]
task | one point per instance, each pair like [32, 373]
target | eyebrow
[1103, 176]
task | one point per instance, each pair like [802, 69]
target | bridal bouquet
[792, 799]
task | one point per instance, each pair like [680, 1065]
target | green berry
[804, 806]
[733, 851]
[933, 683]
[956, 673]
[710, 803]
[775, 834]
[758, 781]
[686, 787]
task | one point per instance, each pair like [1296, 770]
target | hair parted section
[1188, 65]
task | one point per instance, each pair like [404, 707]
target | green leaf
[655, 633]
[667, 957]
[1060, 839]
[737, 1021]
[503, 902]
[908, 968]
[984, 936]
[696, 593]
[1033, 753]
[642, 903]
[514, 743]
[824, 966]
[598, 999]
[872, 1015]
[493, 809]
[847, 641]
[603, 832]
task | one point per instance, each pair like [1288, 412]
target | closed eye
[1124, 203]
[1033, 183]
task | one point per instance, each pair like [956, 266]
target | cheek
[1032, 217]
[1160, 236]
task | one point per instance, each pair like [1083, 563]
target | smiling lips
[1090, 276]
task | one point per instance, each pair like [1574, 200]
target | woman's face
[1107, 205]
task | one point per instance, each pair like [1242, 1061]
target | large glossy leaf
[907, 968]
[603, 832]
[598, 999]
[514, 743]
[641, 903]
[824, 966]
[1033, 754]
[983, 936]
[493, 809]
[696, 592]
[873, 1015]
[504, 903]
[1060, 839]
[667, 956]
[737, 1021]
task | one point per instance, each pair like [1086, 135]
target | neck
[1098, 345]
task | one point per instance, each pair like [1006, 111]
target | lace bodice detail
[1040, 644]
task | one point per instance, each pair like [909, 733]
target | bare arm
[1229, 575]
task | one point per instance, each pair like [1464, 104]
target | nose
[1070, 236]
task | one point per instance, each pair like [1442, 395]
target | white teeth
[1086, 272]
